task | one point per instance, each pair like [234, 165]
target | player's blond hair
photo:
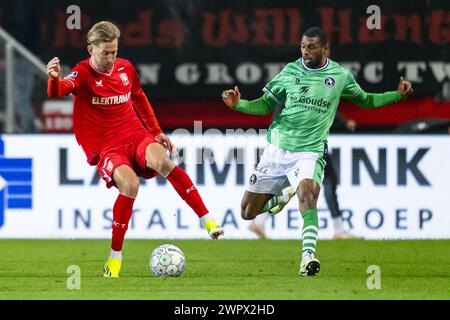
[103, 31]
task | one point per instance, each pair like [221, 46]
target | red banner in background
[195, 49]
[188, 52]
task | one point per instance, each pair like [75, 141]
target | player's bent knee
[247, 213]
[160, 162]
[129, 187]
[162, 165]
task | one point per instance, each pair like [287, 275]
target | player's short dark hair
[316, 32]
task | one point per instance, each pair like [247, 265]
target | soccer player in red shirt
[115, 125]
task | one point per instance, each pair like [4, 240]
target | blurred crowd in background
[188, 52]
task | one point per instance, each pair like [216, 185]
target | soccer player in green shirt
[310, 88]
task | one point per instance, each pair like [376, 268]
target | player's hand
[404, 88]
[167, 143]
[53, 67]
[231, 97]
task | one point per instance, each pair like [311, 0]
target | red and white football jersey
[104, 113]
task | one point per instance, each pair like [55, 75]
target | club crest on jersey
[329, 82]
[124, 78]
[72, 75]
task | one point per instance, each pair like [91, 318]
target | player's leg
[268, 189]
[308, 194]
[329, 188]
[251, 209]
[262, 197]
[277, 203]
[253, 204]
[258, 225]
[157, 159]
[307, 173]
[126, 180]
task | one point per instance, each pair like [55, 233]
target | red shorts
[132, 154]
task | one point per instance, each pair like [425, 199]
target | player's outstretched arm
[146, 114]
[55, 87]
[374, 100]
[261, 106]
[145, 111]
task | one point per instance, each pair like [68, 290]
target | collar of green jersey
[318, 69]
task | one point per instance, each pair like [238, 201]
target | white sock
[115, 254]
[261, 219]
[338, 227]
[307, 255]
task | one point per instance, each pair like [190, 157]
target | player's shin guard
[310, 232]
[122, 210]
[187, 191]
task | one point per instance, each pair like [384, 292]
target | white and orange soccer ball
[167, 260]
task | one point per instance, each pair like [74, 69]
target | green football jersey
[311, 98]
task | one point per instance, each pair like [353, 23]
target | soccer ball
[167, 261]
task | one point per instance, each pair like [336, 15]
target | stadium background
[187, 53]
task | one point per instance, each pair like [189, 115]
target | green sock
[310, 232]
[270, 204]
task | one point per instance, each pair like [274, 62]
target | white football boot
[309, 266]
[286, 195]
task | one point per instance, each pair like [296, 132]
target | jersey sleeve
[368, 100]
[261, 106]
[352, 88]
[141, 105]
[353, 92]
[61, 87]
[275, 89]
[74, 78]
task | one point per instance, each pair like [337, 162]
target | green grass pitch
[228, 269]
